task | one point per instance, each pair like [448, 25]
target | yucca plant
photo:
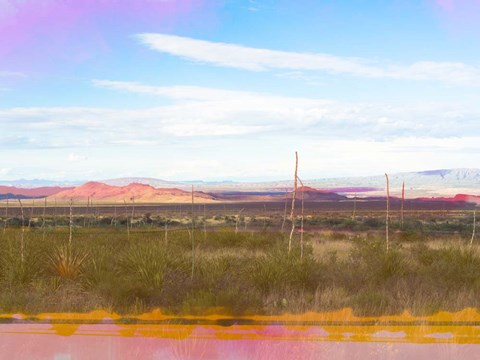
[293, 202]
[204, 223]
[44, 217]
[193, 235]
[284, 212]
[302, 218]
[66, 263]
[354, 206]
[388, 210]
[127, 220]
[402, 203]
[145, 263]
[22, 238]
[474, 225]
[237, 219]
[6, 219]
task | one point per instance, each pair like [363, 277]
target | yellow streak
[450, 327]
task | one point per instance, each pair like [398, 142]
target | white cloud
[173, 92]
[76, 158]
[353, 157]
[257, 59]
[4, 171]
[197, 112]
[266, 112]
[269, 156]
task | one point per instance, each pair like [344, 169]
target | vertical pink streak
[31, 30]
[463, 15]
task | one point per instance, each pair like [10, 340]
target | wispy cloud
[257, 59]
[173, 92]
[263, 111]
[199, 113]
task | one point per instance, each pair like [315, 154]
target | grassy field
[429, 267]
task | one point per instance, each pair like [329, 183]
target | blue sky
[229, 90]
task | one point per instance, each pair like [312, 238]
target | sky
[230, 89]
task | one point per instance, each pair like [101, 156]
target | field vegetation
[242, 265]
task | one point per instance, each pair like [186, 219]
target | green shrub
[145, 263]
[12, 269]
[279, 270]
[374, 265]
[449, 268]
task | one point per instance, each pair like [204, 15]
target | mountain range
[445, 183]
[133, 192]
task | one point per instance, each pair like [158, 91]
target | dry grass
[324, 248]
[245, 273]
[331, 298]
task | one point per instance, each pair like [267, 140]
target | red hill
[34, 192]
[312, 194]
[140, 192]
[457, 198]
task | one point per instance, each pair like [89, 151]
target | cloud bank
[200, 112]
[335, 138]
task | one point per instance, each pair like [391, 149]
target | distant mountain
[422, 183]
[459, 197]
[12, 192]
[157, 183]
[443, 182]
[445, 177]
[139, 193]
[429, 183]
[15, 197]
[311, 194]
